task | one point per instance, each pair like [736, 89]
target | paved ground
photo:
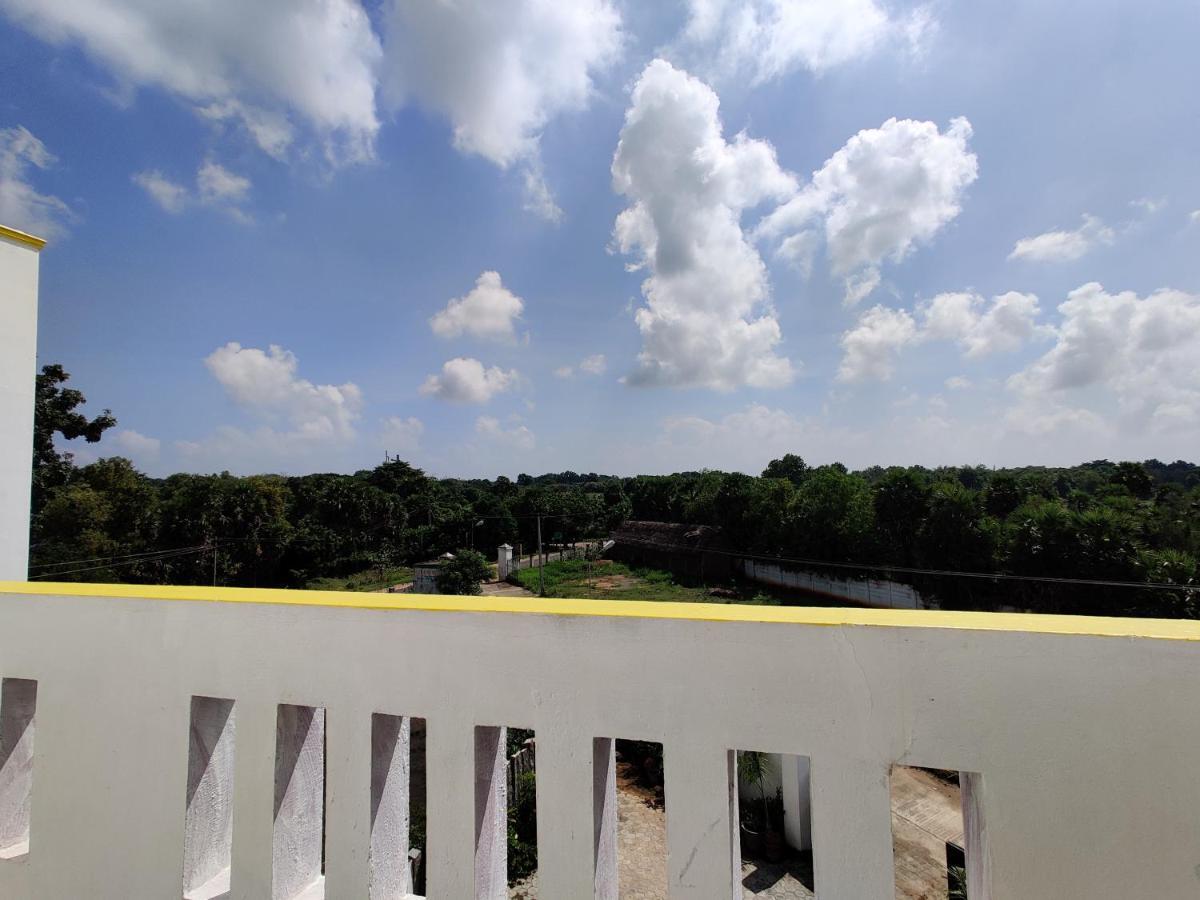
[926, 815]
[642, 855]
[504, 589]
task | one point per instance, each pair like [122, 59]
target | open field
[367, 581]
[607, 580]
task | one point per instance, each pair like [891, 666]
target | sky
[504, 236]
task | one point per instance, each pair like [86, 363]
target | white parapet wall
[18, 361]
[1080, 737]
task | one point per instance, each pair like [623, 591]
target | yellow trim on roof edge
[33, 241]
[1164, 629]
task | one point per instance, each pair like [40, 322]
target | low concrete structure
[425, 574]
[504, 559]
[875, 592]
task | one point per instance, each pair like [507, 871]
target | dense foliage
[1105, 521]
[1127, 521]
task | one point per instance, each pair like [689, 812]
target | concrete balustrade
[1080, 735]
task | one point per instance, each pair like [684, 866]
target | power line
[909, 570]
[73, 562]
[169, 554]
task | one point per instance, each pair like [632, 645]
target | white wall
[867, 591]
[1085, 745]
[18, 361]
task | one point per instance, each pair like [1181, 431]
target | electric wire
[169, 554]
[74, 562]
[910, 570]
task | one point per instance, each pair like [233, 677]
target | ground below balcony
[926, 812]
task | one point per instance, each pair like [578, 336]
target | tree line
[1107, 521]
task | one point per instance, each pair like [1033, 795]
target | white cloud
[539, 199]
[886, 191]
[216, 184]
[1045, 418]
[272, 131]
[1194, 215]
[745, 440]
[980, 328]
[1137, 352]
[564, 372]
[303, 426]
[760, 40]
[1064, 246]
[870, 348]
[171, 196]
[707, 321]
[20, 205]
[137, 446]
[488, 312]
[499, 70]
[402, 435]
[594, 365]
[216, 187]
[518, 436]
[1149, 205]
[265, 383]
[958, 382]
[465, 380]
[258, 62]
[1004, 325]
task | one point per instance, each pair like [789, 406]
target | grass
[607, 580]
[366, 581]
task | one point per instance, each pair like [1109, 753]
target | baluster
[852, 830]
[700, 789]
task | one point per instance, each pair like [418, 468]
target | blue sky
[525, 236]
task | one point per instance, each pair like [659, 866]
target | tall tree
[55, 413]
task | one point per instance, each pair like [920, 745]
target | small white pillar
[504, 555]
[18, 703]
[298, 842]
[491, 813]
[18, 362]
[604, 813]
[391, 737]
[797, 802]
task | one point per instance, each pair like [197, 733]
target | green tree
[901, 508]
[464, 573]
[789, 466]
[832, 515]
[54, 412]
[1134, 477]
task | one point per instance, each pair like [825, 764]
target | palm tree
[754, 767]
[957, 877]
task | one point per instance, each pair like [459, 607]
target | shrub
[464, 573]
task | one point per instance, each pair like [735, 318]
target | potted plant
[774, 846]
[759, 834]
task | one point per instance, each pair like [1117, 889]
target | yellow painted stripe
[1165, 629]
[36, 243]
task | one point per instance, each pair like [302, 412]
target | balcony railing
[169, 741]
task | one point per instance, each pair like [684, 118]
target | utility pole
[541, 576]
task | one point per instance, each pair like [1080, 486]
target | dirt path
[926, 814]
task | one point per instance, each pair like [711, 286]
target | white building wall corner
[18, 361]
